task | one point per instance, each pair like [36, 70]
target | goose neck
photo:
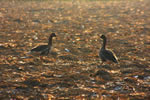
[104, 43]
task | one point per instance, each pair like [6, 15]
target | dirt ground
[73, 69]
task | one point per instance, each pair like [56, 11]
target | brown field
[73, 69]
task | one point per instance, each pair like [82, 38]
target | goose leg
[41, 57]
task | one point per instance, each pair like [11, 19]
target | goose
[44, 49]
[106, 55]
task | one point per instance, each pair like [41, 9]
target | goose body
[105, 54]
[44, 49]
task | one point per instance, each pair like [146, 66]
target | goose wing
[109, 55]
[45, 51]
[39, 48]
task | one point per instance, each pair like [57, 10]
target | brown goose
[44, 49]
[106, 55]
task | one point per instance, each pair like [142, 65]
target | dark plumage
[106, 54]
[44, 49]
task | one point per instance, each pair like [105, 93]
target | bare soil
[73, 69]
